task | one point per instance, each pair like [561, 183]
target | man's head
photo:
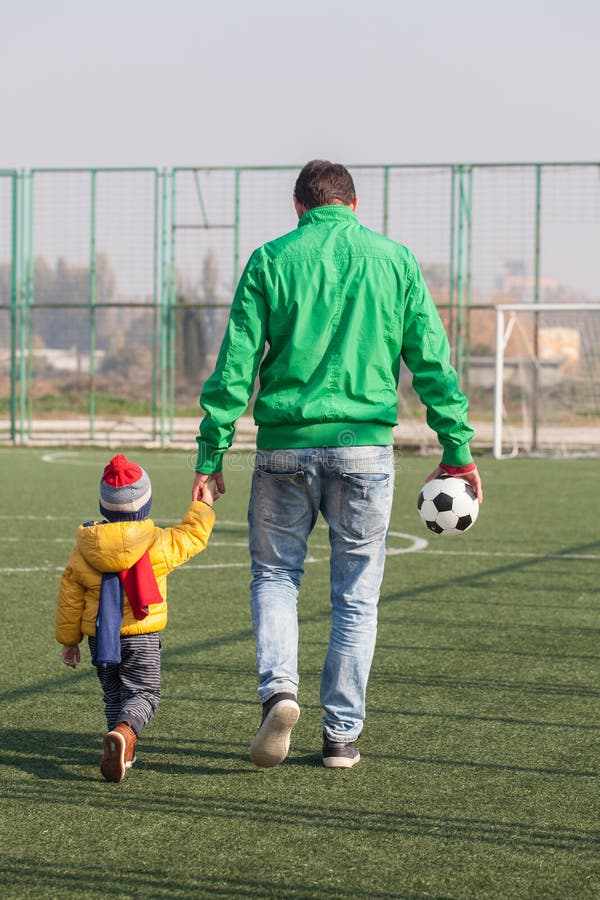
[323, 183]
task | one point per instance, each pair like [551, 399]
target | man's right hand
[471, 478]
[200, 481]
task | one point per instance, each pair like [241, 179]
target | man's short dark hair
[323, 183]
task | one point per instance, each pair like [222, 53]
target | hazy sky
[192, 82]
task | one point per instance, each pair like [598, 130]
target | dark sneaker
[339, 756]
[271, 743]
[119, 752]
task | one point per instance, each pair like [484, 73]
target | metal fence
[115, 283]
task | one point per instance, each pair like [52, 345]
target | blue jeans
[352, 487]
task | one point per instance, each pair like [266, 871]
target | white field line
[75, 458]
[49, 540]
[31, 518]
[159, 521]
[416, 544]
[27, 570]
[507, 555]
[46, 540]
[68, 457]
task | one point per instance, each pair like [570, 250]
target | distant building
[514, 282]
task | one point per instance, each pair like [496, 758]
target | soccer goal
[547, 379]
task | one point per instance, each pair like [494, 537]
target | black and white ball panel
[448, 505]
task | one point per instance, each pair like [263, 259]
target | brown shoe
[119, 752]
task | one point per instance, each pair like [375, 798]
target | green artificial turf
[479, 770]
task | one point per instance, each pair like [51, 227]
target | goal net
[547, 379]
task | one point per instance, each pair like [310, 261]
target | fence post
[14, 253]
[460, 277]
[536, 299]
[498, 384]
[171, 298]
[155, 310]
[468, 272]
[22, 295]
[92, 303]
[451, 285]
[386, 200]
[462, 329]
[30, 291]
[236, 232]
[164, 305]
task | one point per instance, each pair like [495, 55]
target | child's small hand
[209, 491]
[70, 655]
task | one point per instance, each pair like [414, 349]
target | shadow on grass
[487, 685]
[434, 590]
[49, 754]
[60, 756]
[477, 651]
[73, 756]
[178, 654]
[309, 760]
[441, 763]
[253, 811]
[30, 875]
[492, 720]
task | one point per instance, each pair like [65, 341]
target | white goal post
[504, 330]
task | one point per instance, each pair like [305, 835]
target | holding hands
[208, 488]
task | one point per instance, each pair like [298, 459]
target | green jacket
[337, 307]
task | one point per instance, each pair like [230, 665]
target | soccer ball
[448, 505]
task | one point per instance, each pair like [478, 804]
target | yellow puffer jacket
[115, 546]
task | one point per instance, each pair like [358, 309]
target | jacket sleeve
[69, 609]
[180, 542]
[426, 352]
[226, 393]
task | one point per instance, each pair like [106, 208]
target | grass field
[480, 752]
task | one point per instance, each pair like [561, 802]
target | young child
[114, 590]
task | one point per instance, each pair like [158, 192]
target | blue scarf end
[108, 621]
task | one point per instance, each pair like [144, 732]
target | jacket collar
[330, 213]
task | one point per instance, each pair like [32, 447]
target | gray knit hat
[125, 491]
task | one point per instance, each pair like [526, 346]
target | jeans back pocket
[281, 496]
[366, 504]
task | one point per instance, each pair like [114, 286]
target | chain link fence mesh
[115, 284]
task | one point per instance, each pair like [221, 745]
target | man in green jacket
[337, 307]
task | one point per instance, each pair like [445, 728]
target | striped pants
[131, 688]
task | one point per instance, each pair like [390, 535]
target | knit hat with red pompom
[125, 491]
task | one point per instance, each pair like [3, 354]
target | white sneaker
[271, 743]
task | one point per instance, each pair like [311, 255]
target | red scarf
[140, 585]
